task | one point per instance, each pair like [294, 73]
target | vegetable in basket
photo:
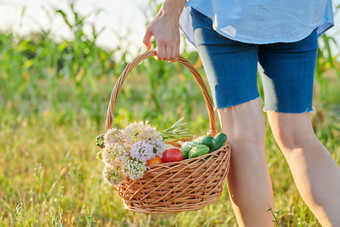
[154, 161]
[176, 132]
[172, 155]
[220, 140]
[198, 150]
[203, 145]
[206, 140]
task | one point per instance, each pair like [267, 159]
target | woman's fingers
[160, 50]
[147, 39]
[168, 53]
[167, 50]
[175, 53]
[165, 30]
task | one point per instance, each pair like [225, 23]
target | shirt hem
[321, 28]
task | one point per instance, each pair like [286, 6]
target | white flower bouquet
[126, 151]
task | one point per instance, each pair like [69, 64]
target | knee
[247, 136]
[291, 131]
[291, 140]
[244, 123]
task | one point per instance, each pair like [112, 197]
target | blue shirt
[261, 21]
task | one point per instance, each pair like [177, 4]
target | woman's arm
[165, 29]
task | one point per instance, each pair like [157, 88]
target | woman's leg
[231, 68]
[288, 87]
[315, 173]
[249, 183]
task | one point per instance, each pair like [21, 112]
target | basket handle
[135, 62]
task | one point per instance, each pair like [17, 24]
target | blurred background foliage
[53, 101]
[75, 77]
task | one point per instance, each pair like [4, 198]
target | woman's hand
[165, 29]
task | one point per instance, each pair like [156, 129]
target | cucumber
[206, 140]
[187, 147]
[198, 150]
[220, 140]
[194, 143]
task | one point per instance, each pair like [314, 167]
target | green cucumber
[220, 140]
[185, 149]
[198, 150]
[206, 140]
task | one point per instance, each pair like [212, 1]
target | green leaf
[63, 14]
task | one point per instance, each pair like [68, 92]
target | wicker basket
[174, 187]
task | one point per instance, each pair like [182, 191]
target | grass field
[53, 100]
[49, 175]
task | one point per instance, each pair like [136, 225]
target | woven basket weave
[174, 187]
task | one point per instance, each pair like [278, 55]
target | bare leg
[249, 182]
[315, 173]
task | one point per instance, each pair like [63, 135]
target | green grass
[49, 176]
[53, 100]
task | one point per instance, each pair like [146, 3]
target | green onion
[176, 132]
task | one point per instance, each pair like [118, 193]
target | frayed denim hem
[240, 106]
[313, 111]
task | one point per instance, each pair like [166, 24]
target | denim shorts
[231, 68]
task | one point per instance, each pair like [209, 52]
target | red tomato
[156, 160]
[172, 155]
